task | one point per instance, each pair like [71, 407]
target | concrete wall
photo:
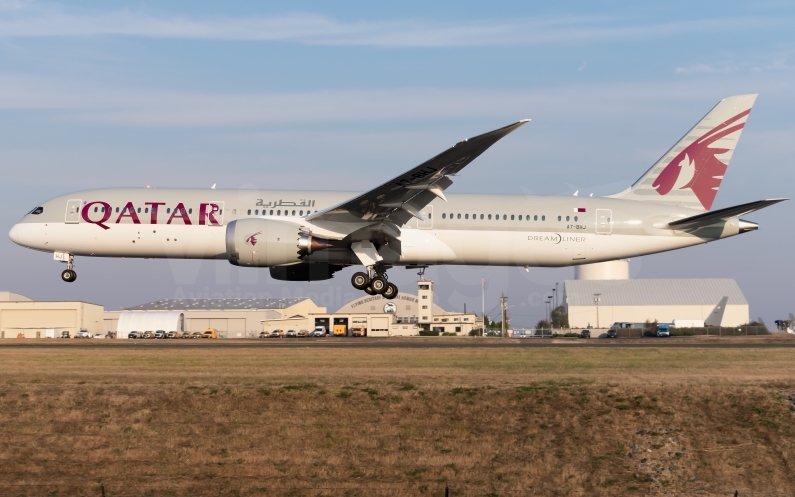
[31, 319]
[582, 316]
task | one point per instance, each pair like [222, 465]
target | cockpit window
[37, 210]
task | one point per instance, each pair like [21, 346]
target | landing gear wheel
[369, 290]
[69, 275]
[391, 291]
[360, 280]
[378, 284]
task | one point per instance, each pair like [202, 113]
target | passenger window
[117, 209]
[146, 211]
[504, 217]
[567, 218]
[293, 213]
[444, 216]
[190, 211]
[168, 211]
[430, 215]
[256, 212]
[278, 213]
[96, 209]
[300, 213]
[271, 212]
[459, 216]
[511, 217]
[575, 218]
[558, 218]
[481, 216]
[139, 210]
[535, 218]
[451, 216]
[520, 217]
[543, 218]
[466, 216]
[249, 212]
[489, 216]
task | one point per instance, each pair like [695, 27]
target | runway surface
[414, 342]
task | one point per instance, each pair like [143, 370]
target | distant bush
[449, 334]
[650, 333]
[682, 333]
[429, 333]
[473, 333]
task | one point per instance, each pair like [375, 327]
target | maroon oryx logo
[252, 239]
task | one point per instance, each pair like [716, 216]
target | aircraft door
[427, 214]
[604, 221]
[73, 211]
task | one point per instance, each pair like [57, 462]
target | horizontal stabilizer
[712, 217]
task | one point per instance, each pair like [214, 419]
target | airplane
[410, 220]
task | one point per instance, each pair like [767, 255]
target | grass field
[320, 421]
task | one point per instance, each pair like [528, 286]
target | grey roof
[215, 304]
[654, 292]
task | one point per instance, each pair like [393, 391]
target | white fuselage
[500, 230]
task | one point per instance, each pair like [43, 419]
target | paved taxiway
[399, 343]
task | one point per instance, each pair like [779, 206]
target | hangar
[232, 317]
[22, 317]
[600, 303]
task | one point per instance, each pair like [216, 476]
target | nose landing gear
[69, 274]
[374, 282]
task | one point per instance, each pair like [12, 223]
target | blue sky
[346, 95]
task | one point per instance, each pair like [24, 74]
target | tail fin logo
[697, 167]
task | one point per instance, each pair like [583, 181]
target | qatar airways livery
[410, 220]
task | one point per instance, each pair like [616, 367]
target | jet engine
[268, 242]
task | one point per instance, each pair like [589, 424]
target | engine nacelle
[268, 242]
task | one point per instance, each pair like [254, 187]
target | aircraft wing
[713, 217]
[395, 202]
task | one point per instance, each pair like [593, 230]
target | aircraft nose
[14, 234]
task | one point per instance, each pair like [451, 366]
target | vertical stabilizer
[716, 316]
[690, 173]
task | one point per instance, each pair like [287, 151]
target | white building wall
[582, 316]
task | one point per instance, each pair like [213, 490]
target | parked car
[612, 333]
[197, 334]
[83, 334]
[663, 330]
[301, 334]
[133, 335]
[160, 334]
[186, 334]
[275, 334]
[317, 333]
[585, 334]
[65, 334]
[98, 336]
[210, 333]
[290, 334]
[149, 334]
[173, 334]
[263, 334]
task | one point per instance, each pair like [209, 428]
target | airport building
[232, 318]
[22, 317]
[602, 302]
[369, 315]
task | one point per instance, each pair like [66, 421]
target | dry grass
[318, 421]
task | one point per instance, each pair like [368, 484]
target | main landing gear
[69, 274]
[374, 282]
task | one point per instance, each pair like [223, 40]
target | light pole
[555, 293]
[597, 297]
[546, 310]
[549, 320]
